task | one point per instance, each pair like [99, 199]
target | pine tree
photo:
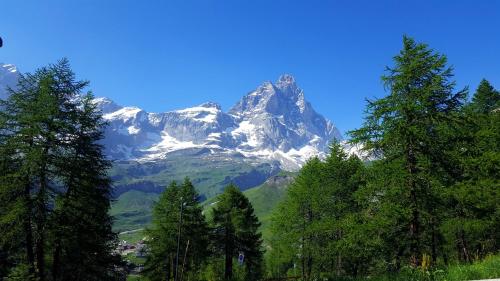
[236, 233]
[409, 130]
[165, 257]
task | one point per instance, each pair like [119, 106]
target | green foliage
[145, 180]
[412, 129]
[266, 197]
[20, 273]
[310, 226]
[132, 210]
[485, 269]
[235, 232]
[166, 227]
[473, 223]
[486, 99]
[428, 200]
[54, 183]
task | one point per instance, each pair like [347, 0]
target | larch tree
[236, 232]
[49, 124]
[409, 130]
[166, 258]
[473, 221]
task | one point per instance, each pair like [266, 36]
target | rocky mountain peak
[210, 104]
[106, 105]
[273, 124]
[286, 82]
[278, 98]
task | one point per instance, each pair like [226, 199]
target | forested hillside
[422, 203]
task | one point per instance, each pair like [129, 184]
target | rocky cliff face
[273, 123]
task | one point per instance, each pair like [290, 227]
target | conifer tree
[410, 130]
[343, 176]
[46, 127]
[486, 99]
[164, 260]
[295, 219]
[473, 223]
[314, 223]
[81, 229]
[236, 233]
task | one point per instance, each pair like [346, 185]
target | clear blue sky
[163, 55]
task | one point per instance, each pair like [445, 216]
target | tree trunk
[339, 256]
[56, 263]
[56, 260]
[414, 223]
[309, 267]
[434, 243]
[184, 260]
[28, 230]
[168, 268]
[464, 249]
[40, 241]
[228, 272]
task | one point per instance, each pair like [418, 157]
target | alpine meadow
[257, 186]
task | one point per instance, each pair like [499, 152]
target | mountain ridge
[273, 123]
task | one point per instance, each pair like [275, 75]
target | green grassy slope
[264, 199]
[208, 172]
[132, 210]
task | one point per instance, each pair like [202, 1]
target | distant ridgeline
[271, 129]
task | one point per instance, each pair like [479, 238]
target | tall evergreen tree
[486, 99]
[165, 257]
[342, 176]
[295, 220]
[81, 229]
[473, 222]
[44, 122]
[236, 233]
[409, 130]
[313, 225]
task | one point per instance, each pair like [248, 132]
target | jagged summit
[273, 124]
[286, 83]
[106, 105]
[211, 104]
[271, 98]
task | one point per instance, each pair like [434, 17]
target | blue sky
[164, 55]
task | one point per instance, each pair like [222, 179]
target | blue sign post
[241, 258]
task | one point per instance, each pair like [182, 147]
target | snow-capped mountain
[272, 123]
[8, 78]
